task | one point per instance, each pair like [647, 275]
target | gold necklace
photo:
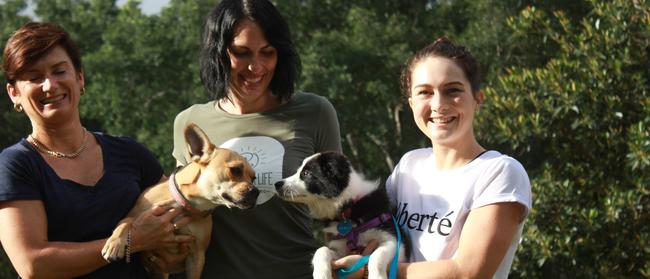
[39, 146]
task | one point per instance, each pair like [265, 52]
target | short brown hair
[443, 47]
[31, 42]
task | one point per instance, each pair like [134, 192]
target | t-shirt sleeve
[506, 182]
[391, 188]
[329, 134]
[179, 151]
[393, 181]
[151, 170]
[17, 177]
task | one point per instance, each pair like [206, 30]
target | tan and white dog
[215, 177]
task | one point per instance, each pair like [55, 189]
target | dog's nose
[279, 184]
[254, 192]
[251, 197]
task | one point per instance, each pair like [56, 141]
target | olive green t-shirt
[274, 239]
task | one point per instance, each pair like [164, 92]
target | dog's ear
[198, 144]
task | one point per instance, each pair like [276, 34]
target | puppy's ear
[198, 144]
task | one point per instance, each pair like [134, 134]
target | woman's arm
[483, 243]
[23, 233]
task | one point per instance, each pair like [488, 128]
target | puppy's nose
[279, 184]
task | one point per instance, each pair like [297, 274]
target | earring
[18, 107]
[83, 91]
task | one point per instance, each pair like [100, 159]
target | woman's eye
[423, 93]
[34, 79]
[237, 53]
[453, 90]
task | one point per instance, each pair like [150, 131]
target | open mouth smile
[442, 120]
[253, 80]
[52, 99]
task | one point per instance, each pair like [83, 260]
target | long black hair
[219, 34]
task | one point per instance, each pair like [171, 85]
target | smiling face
[48, 90]
[442, 101]
[253, 61]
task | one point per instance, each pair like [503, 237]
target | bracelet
[128, 246]
[365, 271]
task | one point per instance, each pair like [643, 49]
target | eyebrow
[60, 63]
[454, 83]
[31, 70]
[451, 83]
[233, 45]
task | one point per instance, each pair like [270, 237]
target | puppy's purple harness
[346, 230]
[352, 235]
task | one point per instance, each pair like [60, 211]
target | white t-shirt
[432, 205]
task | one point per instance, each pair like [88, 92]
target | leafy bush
[580, 126]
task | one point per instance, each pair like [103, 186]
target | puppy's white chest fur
[334, 191]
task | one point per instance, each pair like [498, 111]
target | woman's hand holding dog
[154, 233]
[348, 261]
[155, 229]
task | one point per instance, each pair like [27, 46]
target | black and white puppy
[355, 211]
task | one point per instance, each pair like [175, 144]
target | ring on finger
[175, 226]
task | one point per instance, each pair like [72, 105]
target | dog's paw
[114, 249]
[377, 276]
[322, 274]
[376, 272]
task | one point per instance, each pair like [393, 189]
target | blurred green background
[566, 87]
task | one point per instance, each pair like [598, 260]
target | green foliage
[6, 270]
[15, 125]
[580, 125]
[566, 84]
[144, 73]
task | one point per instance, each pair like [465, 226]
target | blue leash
[392, 274]
[343, 273]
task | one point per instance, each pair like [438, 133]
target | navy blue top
[78, 213]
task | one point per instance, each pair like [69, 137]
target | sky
[148, 7]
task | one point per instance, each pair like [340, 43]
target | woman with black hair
[249, 66]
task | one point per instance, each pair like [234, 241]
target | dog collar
[180, 199]
[352, 234]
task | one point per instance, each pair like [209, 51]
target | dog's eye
[235, 171]
[304, 173]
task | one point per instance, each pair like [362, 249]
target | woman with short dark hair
[249, 66]
[217, 38]
[64, 189]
